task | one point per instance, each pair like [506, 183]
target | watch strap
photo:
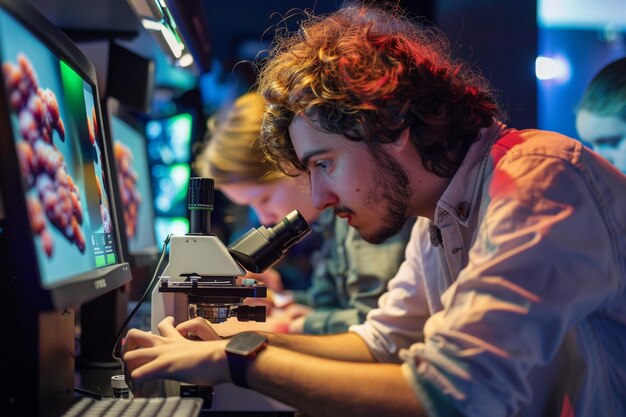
[240, 351]
[238, 367]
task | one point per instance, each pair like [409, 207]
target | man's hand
[289, 320]
[196, 328]
[271, 278]
[296, 326]
[148, 356]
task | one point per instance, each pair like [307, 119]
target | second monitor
[135, 201]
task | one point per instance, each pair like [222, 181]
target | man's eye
[611, 142]
[322, 164]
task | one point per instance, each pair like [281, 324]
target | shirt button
[463, 209]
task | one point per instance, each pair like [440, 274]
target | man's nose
[322, 194]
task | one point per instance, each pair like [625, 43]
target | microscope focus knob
[250, 313]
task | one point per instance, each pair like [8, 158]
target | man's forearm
[323, 387]
[344, 346]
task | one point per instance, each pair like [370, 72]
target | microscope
[201, 277]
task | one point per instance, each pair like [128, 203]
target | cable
[88, 393]
[149, 289]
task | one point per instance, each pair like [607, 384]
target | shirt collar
[460, 196]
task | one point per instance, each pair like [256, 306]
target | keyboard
[136, 406]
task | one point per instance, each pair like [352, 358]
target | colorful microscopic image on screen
[100, 171]
[52, 116]
[133, 175]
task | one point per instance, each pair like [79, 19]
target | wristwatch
[240, 350]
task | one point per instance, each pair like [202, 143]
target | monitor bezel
[15, 228]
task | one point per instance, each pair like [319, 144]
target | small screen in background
[169, 153]
[170, 183]
[169, 140]
[177, 226]
[133, 174]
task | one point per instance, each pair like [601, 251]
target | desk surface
[226, 397]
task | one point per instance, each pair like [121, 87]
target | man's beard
[392, 192]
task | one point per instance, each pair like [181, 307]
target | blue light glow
[552, 68]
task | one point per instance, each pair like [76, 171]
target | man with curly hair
[512, 298]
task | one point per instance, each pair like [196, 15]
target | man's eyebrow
[608, 138]
[308, 155]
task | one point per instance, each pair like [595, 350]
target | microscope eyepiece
[292, 227]
[200, 203]
[261, 248]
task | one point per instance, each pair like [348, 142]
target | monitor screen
[133, 178]
[169, 139]
[170, 189]
[52, 109]
[169, 151]
[166, 226]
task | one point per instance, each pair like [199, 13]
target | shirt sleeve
[398, 320]
[532, 275]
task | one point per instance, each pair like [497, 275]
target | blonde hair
[232, 153]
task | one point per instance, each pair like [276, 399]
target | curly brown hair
[368, 74]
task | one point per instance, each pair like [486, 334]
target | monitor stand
[100, 322]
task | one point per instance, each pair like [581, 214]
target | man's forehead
[307, 124]
[591, 126]
[306, 135]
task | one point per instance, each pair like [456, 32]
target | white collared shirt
[520, 308]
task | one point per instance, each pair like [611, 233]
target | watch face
[246, 343]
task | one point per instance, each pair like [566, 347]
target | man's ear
[405, 138]
[401, 144]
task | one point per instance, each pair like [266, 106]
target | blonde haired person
[348, 275]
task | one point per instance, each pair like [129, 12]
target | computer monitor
[133, 190]
[59, 237]
[55, 168]
[127, 132]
